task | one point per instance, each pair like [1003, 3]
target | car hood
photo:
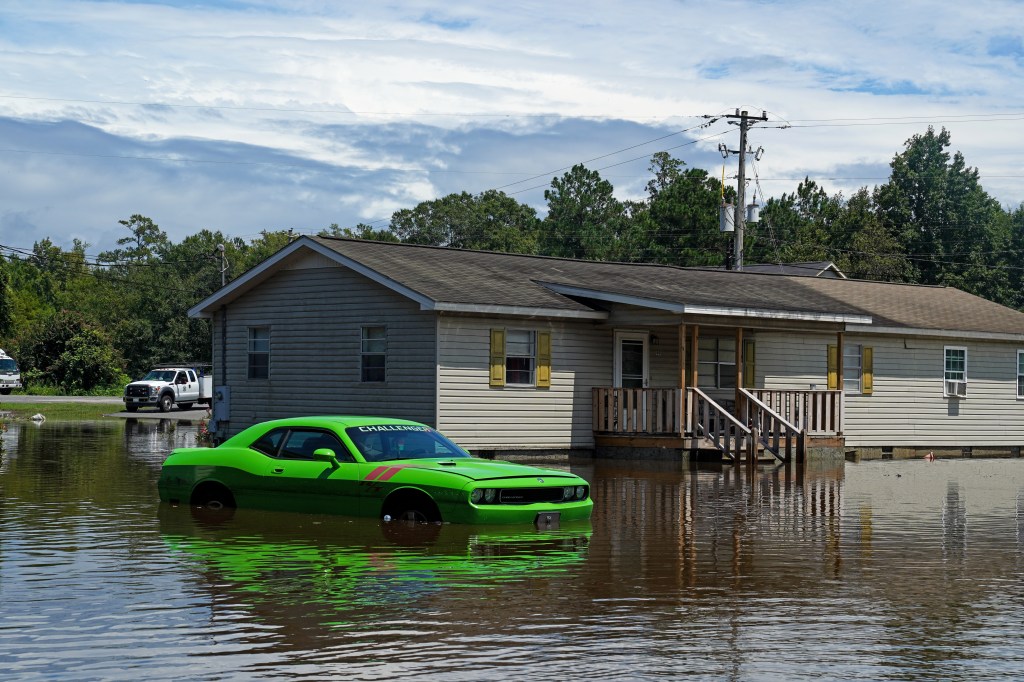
[482, 469]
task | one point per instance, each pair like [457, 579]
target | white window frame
[1020, 374]
[848, 380]
[948, 377]
[531, 357]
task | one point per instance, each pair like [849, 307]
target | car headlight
[567, 493]
[489, 495]
[476, 495]
[581, 492]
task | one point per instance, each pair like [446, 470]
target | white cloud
[307, 113]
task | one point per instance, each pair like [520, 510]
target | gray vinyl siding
[518, 417]
[315, 316]
[907, 407]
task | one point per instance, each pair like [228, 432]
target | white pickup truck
[10, 375]
[169, 385]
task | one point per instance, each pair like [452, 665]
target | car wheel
[185, 406]
[212, 503]
[166, 402]
[411, 507]
[5, 391]
[131, 408]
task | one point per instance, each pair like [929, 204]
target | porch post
[682, 379]
[839, 361]
[694, 352]
[740, 402]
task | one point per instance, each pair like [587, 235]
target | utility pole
[745, 121]
[223, 263]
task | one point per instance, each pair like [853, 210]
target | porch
[715, 406]
[771, 424]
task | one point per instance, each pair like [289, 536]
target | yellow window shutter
[497, 357]
[749, 365]
[833, 368]
[543, 359]
[867, 380]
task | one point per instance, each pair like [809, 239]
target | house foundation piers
[823, 449]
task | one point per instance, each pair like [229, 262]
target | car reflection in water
[323, 566]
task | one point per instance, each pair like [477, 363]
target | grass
[57, 411]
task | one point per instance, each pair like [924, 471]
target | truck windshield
[378, 443]
[160, 375]
[8, 365]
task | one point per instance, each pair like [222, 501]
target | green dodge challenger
[368, 466]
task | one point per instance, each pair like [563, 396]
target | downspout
[223, 345]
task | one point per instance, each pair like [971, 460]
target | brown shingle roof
[499, 279]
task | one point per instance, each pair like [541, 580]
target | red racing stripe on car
[389, 473]
[375, 473]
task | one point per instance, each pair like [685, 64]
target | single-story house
[514, 352]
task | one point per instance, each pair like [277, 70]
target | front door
[631, 366]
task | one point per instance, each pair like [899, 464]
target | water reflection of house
[510, 352]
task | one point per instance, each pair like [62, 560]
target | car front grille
[530, 495]
[137, 391]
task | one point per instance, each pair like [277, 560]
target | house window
[716, 362]
[520, 357]
[373, 349]
[851, 368]
[858, 369]
[1020, 374]
[955, 371]
[259, 353]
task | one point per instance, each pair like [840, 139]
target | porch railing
[633, 411]
[778, 436]
[815, 412]
[726, 433]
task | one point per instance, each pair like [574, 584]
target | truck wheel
[166, 402]
[131, 407]
[5, 391]
[185, 406]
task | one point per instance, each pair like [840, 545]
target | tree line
[79, 324]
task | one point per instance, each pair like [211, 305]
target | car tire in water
[212, 503]
[411, 507]
[166, 402]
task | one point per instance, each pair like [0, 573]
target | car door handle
[278, 470]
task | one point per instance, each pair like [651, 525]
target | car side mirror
[325, 455]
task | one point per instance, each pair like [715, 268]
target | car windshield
[159, 375]
[8, 365]
[381, 442]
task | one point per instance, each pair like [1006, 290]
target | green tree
[584, 219]
[70, 353]
[144, 243]
[6, 301]
[948, 223]
[866, 249]
[360, 231]
[681, 226]
[490, 221]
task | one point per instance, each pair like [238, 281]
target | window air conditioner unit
[956, 389]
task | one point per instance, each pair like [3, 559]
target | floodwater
[897, 570]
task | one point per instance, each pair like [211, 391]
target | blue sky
[246, 116]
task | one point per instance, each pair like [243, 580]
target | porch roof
[480, 281]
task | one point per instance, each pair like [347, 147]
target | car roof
[342, 421]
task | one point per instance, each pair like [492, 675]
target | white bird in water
[38, 417]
